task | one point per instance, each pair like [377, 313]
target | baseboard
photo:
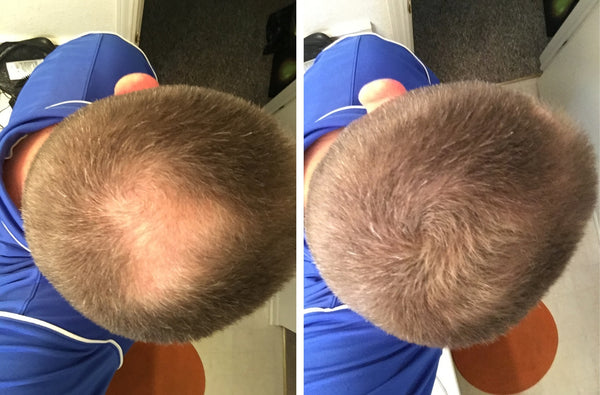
[597, 224]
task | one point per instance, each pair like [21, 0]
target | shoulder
[78, 72]
[31, 347]
[342, 349]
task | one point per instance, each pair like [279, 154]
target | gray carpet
[217, 44]
[490, 40]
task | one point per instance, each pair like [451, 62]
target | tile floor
[574, 303]
[245, 358]
[523, 85]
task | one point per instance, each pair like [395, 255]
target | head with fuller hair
[164, 214]
[445, 215]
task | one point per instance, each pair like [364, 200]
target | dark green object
[281, 42]
[555, 13]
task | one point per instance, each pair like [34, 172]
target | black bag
[26, 50]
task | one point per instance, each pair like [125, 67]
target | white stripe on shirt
[64, 332]
[67, 102]
[340, 109]
[325, 310]
[14, 238]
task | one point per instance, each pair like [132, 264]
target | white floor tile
[526, 85]
[246, 358]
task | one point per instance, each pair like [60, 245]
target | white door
[391, 19]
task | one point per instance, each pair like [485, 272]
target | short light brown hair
[164, 214]
[446, 214]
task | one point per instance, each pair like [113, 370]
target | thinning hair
[164, 214]
[446, 214]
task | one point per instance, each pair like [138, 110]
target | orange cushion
[153, 369]
[515, 361]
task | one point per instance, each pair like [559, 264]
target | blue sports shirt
[343, 352]
[46, 346]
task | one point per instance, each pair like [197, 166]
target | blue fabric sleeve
[37, 360]
[345, 354]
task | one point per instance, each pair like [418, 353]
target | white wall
[283, 304]
[389, 18]
[61, 20]
[572, 80]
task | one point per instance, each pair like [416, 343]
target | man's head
[165, 214]
[445, 214]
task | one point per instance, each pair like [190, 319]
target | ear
[134, 82]
[377, 92]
